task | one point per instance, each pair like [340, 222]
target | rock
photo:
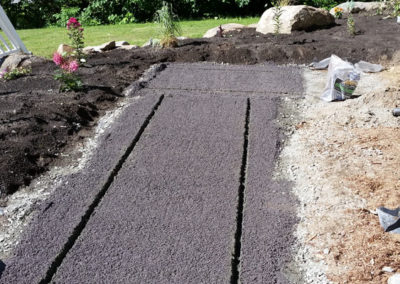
[100, 48]
[394, 279]
[387, 269]
[121, 43]
[295, 18]
[128, 47]
[152, 43]
[226, 28]
[181, 38]
[14, 60]
[361, 7]
[254, 26]
[64, 48]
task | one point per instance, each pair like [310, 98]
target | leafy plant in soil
[15, 73]
[351, 25]
[168, 25]
[69, 63]
[75, 34]
[278, 13]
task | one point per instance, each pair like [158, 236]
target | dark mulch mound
[37, 122]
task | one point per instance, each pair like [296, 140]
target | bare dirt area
[343, 158]
[37, 122]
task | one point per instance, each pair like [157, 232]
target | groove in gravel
[81, 226]
[235, 276]
[222, 91]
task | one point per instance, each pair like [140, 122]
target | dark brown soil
[37, 122]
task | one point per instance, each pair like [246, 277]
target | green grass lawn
[43, 42]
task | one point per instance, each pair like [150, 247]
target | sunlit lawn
[43, 42]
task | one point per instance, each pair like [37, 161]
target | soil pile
[37, 122]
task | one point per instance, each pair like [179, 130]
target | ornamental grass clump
[169, 25]
[69, 63]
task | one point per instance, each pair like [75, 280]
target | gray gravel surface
[62, 212]
[170, 214]
[269, 209]
[177, 194]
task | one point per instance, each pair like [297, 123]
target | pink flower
[58, 59]
[73, 66]
[73, 22]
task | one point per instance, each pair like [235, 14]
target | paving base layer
[170, 213]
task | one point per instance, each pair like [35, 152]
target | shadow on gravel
[2, 267]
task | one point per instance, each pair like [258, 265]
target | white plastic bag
[342, 80]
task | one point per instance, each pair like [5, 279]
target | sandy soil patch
[344, 160]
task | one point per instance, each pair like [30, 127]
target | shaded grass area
[43, 42]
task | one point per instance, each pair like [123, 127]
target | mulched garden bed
[37, 122]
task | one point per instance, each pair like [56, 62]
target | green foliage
[64, 15]
[351, 25]
[38, 13]
[277, 18]
[325, 4]
[168, 25]
[69, 81]
[15, 73]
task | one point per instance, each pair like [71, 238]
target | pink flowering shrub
[69, 63]
[75, 34]
[68, 66]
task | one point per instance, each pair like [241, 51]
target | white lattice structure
[12, 42]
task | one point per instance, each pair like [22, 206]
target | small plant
[278, 13]
[168, 25]
[351, 25]
[66, 75]
[396, 8]
[15, 73]
[338, 12]
[75, 34]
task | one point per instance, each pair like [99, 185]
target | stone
[388, 269]
[295, 18]
[128, 47]
[14, 60]
[360, 7]
[253, 26]
[226, 28]
[64, 48]
[152, 43]
[394, 279]
[121, 43]
[100, 48]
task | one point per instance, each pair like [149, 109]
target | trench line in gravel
[235, 274]
[222, 91]
[82, 224]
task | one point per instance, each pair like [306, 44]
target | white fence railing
[14, 43]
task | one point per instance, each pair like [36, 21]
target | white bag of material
[342, 80]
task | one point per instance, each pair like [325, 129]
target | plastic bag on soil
[367, 67]
[389, 219]
[342, 80]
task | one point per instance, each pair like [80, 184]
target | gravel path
[179, 189]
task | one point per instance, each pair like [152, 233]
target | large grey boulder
[360, 7]
[225, 28]
[295, 18]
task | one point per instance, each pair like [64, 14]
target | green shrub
[62, 18]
